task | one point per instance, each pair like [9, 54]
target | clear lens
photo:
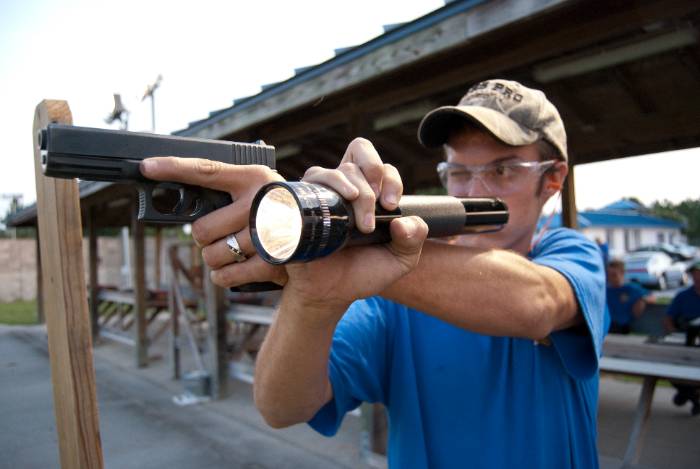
[278, 223]
[496, 178]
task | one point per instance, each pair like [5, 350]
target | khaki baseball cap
[512, 113]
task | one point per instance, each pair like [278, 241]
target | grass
[18, 312]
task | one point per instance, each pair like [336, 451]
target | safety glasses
[499, 178]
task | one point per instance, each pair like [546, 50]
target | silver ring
[235, 248]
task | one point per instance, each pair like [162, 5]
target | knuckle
[207, 167]
[199, 232]
[367, 196]
[312, 171]
[347, 167]
[208, 256]
[360, 142]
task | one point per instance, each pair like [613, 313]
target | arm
[483, 291]
[291, 373]
[638, 307]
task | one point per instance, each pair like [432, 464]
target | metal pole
[153, 111]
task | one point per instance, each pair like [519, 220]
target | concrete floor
[142, 428]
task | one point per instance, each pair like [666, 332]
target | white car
[653, 269]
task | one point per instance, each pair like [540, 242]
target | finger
[218, 254]
[220, 223]
[362, 153]
[363, 205]
[207, 173]
[392, 187]
[407, 236]
[334, 179]
[252, 270]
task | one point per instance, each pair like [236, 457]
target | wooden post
[569, 213]
[138, 281]
[159, 242]
[40, 315]
[66, 309]
[93, 275]
[216, 320]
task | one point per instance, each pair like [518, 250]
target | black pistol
[114, 155]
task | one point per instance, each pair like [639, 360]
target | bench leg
[641, 419]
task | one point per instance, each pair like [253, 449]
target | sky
[209, 53]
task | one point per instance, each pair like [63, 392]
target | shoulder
[561, 241]
[684, 294]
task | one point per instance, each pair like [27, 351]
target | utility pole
[150, 93]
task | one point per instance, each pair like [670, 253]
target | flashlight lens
[278, 223]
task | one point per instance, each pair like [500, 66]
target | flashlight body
[445, 216]
[327, 221]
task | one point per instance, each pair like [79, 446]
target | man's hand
[242, 182]
[336, 281]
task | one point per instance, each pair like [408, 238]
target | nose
[476, 187]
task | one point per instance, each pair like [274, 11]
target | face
[695, 273]
[473, 147]
[616, 275]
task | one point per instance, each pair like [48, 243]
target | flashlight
[300, 222]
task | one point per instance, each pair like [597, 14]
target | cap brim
[435, 128]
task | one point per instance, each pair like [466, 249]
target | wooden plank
[252, 314]
[138, 272]
[216, 337]
[687, 374]
[66, 309]
[93, 276]
[40, 315]
[637, 348]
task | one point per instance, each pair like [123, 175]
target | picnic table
[638, 356]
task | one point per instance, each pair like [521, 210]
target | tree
[687, 212]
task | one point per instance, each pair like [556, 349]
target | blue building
[624, 225]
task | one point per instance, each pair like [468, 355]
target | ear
[554, 179]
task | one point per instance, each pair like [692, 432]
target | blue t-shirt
[460, 399]
[621, 300]
[685, 305]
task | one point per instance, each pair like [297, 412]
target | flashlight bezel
[259, 247]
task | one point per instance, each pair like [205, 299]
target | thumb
[407, 237]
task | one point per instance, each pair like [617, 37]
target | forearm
[494, 292]
[291, 376]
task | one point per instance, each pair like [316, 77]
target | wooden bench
[248, 324]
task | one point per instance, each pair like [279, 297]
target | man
[626, 301]
[683, 315]
[484, 350]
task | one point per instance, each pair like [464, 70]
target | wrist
[310, 311]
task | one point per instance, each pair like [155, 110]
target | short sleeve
[638, 292]
[578, 260]
[675, 309]
[357, 362]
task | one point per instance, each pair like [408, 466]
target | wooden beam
[569, 213]
[138, 275]
[158, 247]
[40, 314]
[65, 302]
[93, 275]
[216, 339]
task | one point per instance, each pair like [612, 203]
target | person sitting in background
[626, 301]
[680, 316]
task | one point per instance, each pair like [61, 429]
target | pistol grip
[186, 205]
